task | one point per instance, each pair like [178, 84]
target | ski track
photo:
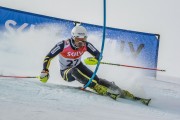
[29, 99]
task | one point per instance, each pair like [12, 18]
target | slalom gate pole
[102, 46]
[5, 76]
[133, 66]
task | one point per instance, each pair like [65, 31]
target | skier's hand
[44, 76]
[91, 61]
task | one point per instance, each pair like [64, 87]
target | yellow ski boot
[128, 95]
[102, 90]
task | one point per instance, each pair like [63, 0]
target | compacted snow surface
[29, 99]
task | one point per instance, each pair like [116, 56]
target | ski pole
[93, 61]
[133, 66]
[6, 76]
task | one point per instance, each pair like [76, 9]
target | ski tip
[145, 101]
[148, 101]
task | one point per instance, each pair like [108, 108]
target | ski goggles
[76, 39]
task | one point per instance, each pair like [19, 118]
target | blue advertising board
[141, 46]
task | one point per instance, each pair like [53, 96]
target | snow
[30, 99]
[23, 54]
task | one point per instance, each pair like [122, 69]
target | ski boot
[128, 95]
[113, 96]
[114, 91]
[102, 90]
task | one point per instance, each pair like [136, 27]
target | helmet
[79, 32]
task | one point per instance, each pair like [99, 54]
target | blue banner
[138, 45]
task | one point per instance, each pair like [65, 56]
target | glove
[91, 61]
[44, 76]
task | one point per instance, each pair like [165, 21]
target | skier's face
[80, 42]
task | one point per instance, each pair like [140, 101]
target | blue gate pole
[102, 46]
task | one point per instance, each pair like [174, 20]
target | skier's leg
[101, 86]
[81, 77]
[113, 90]
[66, 75]
[72, 74]
[86, 73]
[126, 94]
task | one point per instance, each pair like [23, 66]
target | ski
[115, 97]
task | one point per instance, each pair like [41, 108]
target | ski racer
[71, 67]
